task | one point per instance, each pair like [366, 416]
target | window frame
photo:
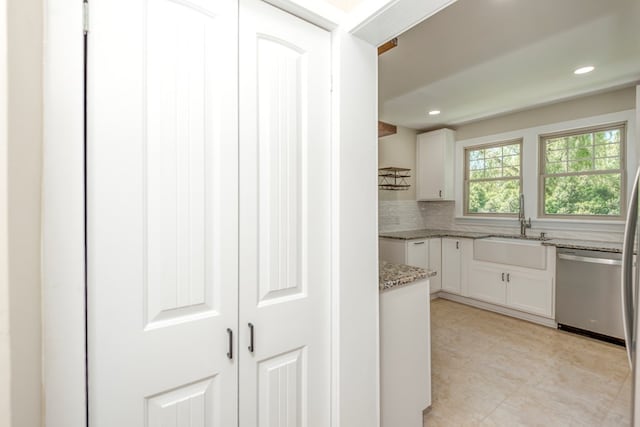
[542, 138]
[514, 141]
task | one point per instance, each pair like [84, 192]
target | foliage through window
[493, 177]
[582, 172]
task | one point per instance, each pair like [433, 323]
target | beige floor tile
[493, 370]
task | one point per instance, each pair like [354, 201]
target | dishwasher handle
[605, 261]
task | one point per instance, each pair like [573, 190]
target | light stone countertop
[585, 245]
[559, 243]
[394, 275]
[428, 233]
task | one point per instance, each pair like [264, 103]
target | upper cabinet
[434, 165]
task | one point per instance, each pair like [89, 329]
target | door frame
[354, 294]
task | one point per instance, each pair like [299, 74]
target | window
[582, 173]
[493, 178]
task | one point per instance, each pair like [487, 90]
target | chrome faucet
[524, 224]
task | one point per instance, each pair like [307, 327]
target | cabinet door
[285, 244]
[429, 168]
[418, 253]
[392, 250]
[488, 283]
[451, 265]
[435, 165]
[435, 264]
[530, 292]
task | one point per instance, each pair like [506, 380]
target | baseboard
[544, 321]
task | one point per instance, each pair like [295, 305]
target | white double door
[208, 206]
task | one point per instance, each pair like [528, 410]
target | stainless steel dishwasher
[588, 294]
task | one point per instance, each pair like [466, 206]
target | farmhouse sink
[511, 251]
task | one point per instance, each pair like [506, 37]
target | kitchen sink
[511, 250]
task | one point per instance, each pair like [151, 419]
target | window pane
[476, 174]
[580, 153]
[607, 150]
[555, 168]
[494, 152]
[494, 196]
[511, 161]
[583, 195]
[556, 155]
[611, 136]
[609, 163]
[580, 166]
[510, 150]
[557, 144]
[476, 164]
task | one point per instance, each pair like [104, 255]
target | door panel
[451, 265]
[530, 292]
[418, 253]
[487, 284]
[284, 222]
[162, 212]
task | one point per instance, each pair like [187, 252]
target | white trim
[5, 335]
[544, 321]
[63, 217]
[377, 21]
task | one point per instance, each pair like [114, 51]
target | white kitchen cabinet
[488, 283]
[435, 165]
[519, 288]
[452, 266]
[418, 253]
[435, 264]
[405, 354]
[423, 253]
[530, 291]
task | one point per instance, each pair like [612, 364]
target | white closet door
[162, 212]
[284, 219]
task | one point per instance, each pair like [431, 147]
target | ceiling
[482, 58]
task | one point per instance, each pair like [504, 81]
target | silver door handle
[628, 303]
[605, 261]
[418, 243]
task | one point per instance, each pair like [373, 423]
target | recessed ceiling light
[584, 70]
[434, 112]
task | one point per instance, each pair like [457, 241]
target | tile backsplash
[412, 215]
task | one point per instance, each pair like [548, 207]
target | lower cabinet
[405, 354]
[456, 256]
[531, 292]
[423, 253]
[487, 284]
[522, 289]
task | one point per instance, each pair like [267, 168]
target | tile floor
[493, 370]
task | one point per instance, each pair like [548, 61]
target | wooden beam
[386, 129]
[387, 46]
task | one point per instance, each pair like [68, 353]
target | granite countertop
[394, 275]
[427, 233]
[559, 243]
[585, 245]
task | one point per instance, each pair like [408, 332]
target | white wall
[357, 256]
[595, 229]
[399, 150]
[588, 106]
[25, 19]
[5, 347]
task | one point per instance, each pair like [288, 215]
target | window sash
[543, 175]
[468, 180]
